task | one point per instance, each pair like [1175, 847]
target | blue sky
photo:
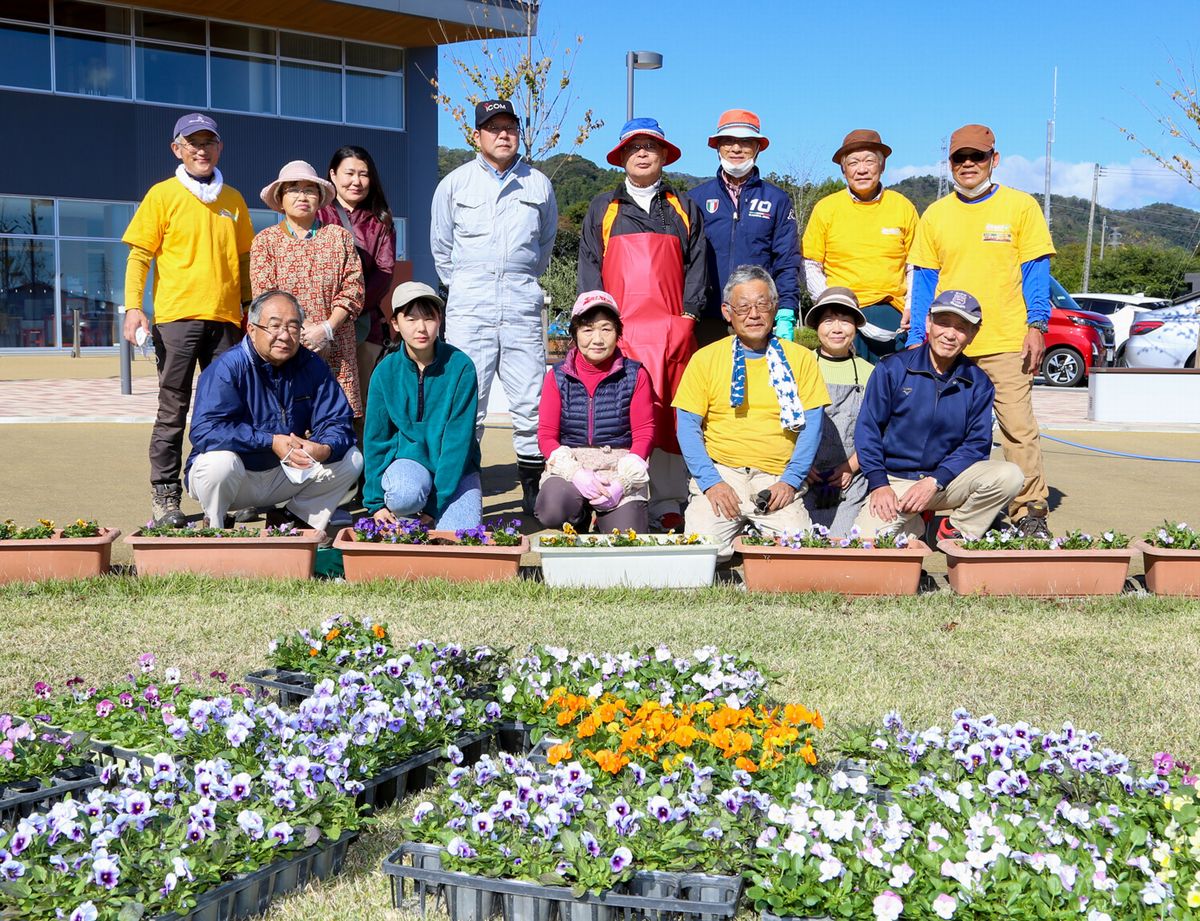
[814, 71]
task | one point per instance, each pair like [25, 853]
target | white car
[1165, 338]
[1122, 309]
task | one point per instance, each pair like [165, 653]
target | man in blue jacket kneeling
[924, 434]
[271, 425]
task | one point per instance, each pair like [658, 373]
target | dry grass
[1127, 667]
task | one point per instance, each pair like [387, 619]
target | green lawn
[1127, 667]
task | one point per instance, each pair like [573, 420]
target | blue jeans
[406, 486]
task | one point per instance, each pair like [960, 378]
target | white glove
[318, 336]
[562, 462]
[632, 472]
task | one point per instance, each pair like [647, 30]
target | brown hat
[861, 139]
[975, 137]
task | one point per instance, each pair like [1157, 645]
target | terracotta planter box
[1171, 572]
[56, 557]
[253, 557]
[365, 560]
[1038, 573]
[835, 569]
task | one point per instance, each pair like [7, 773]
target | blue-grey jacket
[243, 401]
[761, 231]
[492, 235]
[915, 422]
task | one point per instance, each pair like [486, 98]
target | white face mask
[736, 170]
[980, 190]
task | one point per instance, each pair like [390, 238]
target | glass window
[241, 38]
[171, 75]
[310, 92]
[25, 57]
[261, 219]
[401, 225]
[242, 83]
[93, 218]
[375, 99]
[375, 57]
[26, 293]
[310, 48]
[93, 280]
[34, 216]
[27, 10]
[91, 66]
[168, 27]
[91, 16]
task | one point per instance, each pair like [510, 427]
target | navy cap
[960, 302]
[193, 122]
[490, 108]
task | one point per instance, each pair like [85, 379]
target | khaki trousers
[747, 482]
[1018, 427]
[973, 498]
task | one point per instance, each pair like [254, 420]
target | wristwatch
[1040, 325]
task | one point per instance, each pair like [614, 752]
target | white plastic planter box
[665, 566]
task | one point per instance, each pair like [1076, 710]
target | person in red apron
[644, 244]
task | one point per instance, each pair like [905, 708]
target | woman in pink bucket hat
[318, 264]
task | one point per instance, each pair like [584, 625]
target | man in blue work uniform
[492, 232]
[747, 221]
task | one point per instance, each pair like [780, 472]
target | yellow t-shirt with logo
[863, 245]
[978, 248]
[196, 248]
[749, 435]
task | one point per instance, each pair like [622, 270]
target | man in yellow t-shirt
[993, 241]
[748, 416]
[197, 232]
[859, 239]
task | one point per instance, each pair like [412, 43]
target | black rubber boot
[529, 475]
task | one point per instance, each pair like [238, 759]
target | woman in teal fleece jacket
[422, 458]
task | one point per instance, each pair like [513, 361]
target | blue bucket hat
[646, 127]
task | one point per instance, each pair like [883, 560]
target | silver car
[1165, 338]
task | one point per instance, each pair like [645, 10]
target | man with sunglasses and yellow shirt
[993, 241]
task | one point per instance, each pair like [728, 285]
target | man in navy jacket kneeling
[924, 434]
[271, 424]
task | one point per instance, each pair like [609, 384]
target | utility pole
[1103, 235]
[1050, 145]
[1087, 252]
[942, 186]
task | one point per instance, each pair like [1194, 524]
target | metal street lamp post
[637, 60]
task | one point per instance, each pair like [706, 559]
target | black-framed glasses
[275, 330]
[502, 128]
[959, 157]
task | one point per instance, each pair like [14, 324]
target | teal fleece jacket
[442, 439]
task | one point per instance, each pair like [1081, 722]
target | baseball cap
[410, 291]
[191, 123]
[590, 299]
[974, 137]
[490, 108]
[959, 302]
[834, 297]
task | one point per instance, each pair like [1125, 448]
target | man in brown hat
[859, 239]
[993, 241]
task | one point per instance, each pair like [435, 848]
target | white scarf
[207, 192]
[643, 196]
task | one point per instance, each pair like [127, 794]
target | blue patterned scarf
[791, 410]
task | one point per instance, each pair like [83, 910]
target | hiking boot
[164, 505]
[1033, 526]
[529, 475]
[947, 531]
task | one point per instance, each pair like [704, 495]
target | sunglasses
[959, 157]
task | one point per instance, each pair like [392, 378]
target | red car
[1077, 341]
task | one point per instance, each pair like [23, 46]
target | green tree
[1150, 268]
[523, 70]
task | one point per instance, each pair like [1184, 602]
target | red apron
[644, 272]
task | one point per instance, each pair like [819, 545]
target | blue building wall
[76, 147]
